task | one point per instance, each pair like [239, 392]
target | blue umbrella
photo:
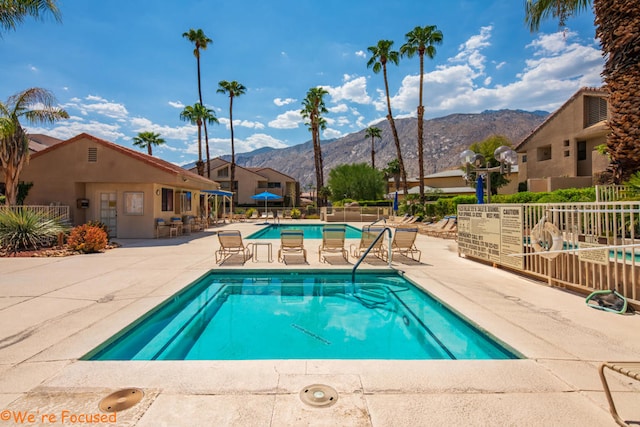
[395, 202]
[266, 196]
[480, 190]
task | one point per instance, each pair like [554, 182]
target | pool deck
[54, 310]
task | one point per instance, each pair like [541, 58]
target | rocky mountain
[444, 139]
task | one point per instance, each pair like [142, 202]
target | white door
[109, 212]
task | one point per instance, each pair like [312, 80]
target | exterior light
[503, 154]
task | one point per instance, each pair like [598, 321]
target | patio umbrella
[395, 202]
[480, 190]
[266, 196]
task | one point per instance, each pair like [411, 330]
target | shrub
[87, 239]
[24, 229]
[100, 225]
[295, 213]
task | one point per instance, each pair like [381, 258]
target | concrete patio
[55, 310]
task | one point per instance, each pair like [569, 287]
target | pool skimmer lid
[319, 395]
[121, 400]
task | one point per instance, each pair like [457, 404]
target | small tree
[356, 181]
[486, 148]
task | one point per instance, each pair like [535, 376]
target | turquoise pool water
[311, 231]
[249, 315]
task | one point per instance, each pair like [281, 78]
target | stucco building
[561, 152]
[102, 181]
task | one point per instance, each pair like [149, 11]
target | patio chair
[369, 234]
[333, 242]
[291, 242]
[403, 242]
[435, 227]
[629, 369]
[231, 244]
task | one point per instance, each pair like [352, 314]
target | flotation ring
[546, 239]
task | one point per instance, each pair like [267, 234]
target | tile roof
[142, 157]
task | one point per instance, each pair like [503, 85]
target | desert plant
[25, 229]
[100, 225]
[295, 213]
[87, 238]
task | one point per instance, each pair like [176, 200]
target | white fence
[60, 213]
[583, 246]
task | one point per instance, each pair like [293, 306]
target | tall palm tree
[201, 41]
[380, 55]
[421, 40]
[13, 12]
[618, 28]
[147, 140]
[233, 89]
[198, 114]
[373, 132]
[312, 111]
[37, 106]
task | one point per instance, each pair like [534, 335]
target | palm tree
[233, 89]
[380, 55]
[147, 140]
[36, 105]
[392, 171]
[618, 28]
[198, 114]
[313, 109]
[201, 41]
[13, 12]
[421, 40]
[373, 132]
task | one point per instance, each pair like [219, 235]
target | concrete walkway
[54, 310]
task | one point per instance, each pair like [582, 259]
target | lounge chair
[394, 221]
[291, 242]
[403, 242]
[631, 370]
[436, 227]
[369, 234]
[333, 242]
[231, 244]
[449, 231]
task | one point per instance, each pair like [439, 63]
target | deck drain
[121, 400]
[319, 395]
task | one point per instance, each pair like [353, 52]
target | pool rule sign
[491, 233]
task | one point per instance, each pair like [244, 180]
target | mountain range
[444, 139]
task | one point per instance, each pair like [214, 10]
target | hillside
[444, 139]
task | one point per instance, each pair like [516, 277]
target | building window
[273, 185]
[566, 143]
[223, 173]
[582, 150]
[167, 200]
[544, 153]
[92, 155]
[595, 110]
[524, 158]
[566, 153]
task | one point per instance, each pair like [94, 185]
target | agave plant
[25, 229]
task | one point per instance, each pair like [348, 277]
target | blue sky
[123, 67]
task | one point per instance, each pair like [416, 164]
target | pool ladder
[364, 255]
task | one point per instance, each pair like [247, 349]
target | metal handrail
[378, 220]
[366, 252]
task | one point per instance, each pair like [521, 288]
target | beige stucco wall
[561, 133]
[63, 175]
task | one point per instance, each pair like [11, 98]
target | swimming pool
[311, 231]
[253, 314]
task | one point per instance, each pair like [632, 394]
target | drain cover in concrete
[121, 400]
[319, 395]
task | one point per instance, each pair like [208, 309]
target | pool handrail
[383, 219]
[366, 252]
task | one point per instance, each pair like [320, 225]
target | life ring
[540, 241]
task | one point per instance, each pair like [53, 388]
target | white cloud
[183, 133]
[354, 90]
[340, 108]
[241, 123]
[98, 105]
[556, 69]
[361, 54]
[280, 102]
[176, 104]
[287, 120]
[331, 133]
[67, 129]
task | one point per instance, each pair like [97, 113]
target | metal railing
[366, 252]
[356, 213]
[612, 193]
[59, 212]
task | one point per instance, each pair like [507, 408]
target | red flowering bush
[87, 239]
